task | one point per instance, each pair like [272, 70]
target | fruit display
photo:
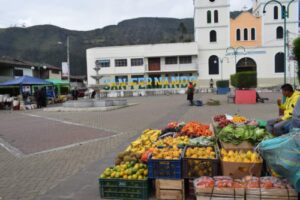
[167, 153]
[144, 142]
[128, 170]
[203, 141]
[237, 134]
[222, 121]
[173, 127]
[271, 182]
[204, 182]
[238, 119]
[196, 129]
[240, 156]
[127, 156]
[250, 182]
[199, 161]
[200, 152]
[172, 141]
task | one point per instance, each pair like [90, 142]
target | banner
[65, 69]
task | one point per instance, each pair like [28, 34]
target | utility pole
[68, 58]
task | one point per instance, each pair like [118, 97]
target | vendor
[277, 126]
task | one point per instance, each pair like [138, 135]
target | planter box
[245, 96]
[223, 90]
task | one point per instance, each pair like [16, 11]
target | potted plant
[244, 82]
[222, 86]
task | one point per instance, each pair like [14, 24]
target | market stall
[26, 86]
[201, 161]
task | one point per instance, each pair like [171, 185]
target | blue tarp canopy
[25, 80]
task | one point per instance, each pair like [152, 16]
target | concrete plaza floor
[58, 155]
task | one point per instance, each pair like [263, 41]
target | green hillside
[41, 43]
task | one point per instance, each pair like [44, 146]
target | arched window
[279, 32]
[238, 34]
[252, 33]
[279, 62]
[245, 34]
[213, 65]
[213, 36]
[209, 17]
[275, 12]
[216, 16]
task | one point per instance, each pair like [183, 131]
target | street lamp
[221, 61]
[68, 56]
[235, 52]
[285, 14]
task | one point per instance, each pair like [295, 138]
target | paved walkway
[70, 172]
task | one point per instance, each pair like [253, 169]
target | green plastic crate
[123, 189]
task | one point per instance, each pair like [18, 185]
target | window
[121, 62]
[136, 78]
[103, 63]
[55, 71]
[137, 62]
[252, 33]
[213, 65]
[238, 34]
[213, 36]
[245, 34]
[185, 59]
[279, 62]
[121, 79]
[18, 72]
[275, 12]
[279, 32]
[171, 60]
[216, 16]
[209, 17]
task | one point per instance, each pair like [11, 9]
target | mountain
[47, 43]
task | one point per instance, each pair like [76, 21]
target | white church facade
[225, 43]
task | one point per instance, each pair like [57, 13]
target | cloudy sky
[92, 14]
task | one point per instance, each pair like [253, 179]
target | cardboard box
[242, 146]
[240, 169]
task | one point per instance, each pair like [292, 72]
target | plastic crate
[123, 189]
[196, 167]
[164, 169]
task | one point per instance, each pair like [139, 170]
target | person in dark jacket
[190, 93]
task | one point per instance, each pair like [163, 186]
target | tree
[296, 51]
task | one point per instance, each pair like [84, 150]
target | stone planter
[119, 102]
[78, 104]
[103, 103]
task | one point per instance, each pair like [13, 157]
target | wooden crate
[170, 189]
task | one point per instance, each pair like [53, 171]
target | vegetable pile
[236, 135]
[203, 141]
[222, 121]
[195, 129]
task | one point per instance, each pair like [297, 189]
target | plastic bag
[282, 154]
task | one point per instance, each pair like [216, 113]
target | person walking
[190, 92]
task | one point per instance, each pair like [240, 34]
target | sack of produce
[282, 154]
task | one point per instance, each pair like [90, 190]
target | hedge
[222, 84]
[244, 80]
